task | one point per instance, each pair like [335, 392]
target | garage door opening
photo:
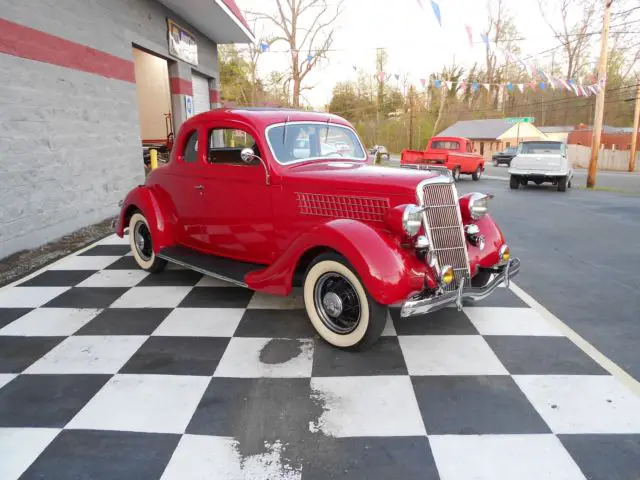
[154, 105]
[201, 102]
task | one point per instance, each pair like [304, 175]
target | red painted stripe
[25, 42]
[180, 86]
[214, 96]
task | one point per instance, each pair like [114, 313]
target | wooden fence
[617, 160]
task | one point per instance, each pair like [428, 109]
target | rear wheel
[477, 174]
[562, 184]
[456, 174]
[514, 182]
[495, 163]
[338, 305]
[142, 244]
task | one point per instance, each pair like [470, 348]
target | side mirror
[247, 155]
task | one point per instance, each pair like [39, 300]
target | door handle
[199, 187]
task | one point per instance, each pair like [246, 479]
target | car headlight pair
[479, 205]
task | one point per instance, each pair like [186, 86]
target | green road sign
[521, 119]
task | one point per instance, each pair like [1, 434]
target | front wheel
[338, 305]
[477, 174]
[514, 182]
[142, 245]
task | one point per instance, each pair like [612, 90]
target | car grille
[444, 230]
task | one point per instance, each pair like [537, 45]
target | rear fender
[389, 272]
[156, 209]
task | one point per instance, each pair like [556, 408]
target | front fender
[155, 209]
[389, 272]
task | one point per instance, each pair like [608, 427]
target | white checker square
[502, 457]
[143, 403]
[114, 278]
[372, 406]
[89, 354]
[19, 447]
[264, 300]
[582, 403]
[208, 281]
[243, 358]
[6, 378]
[152, 297]
[200, 457]
[114, 240]
[510, 321]
[449, 355]
[200, 322]
[84, 262]
[28, 297]
[54, 322]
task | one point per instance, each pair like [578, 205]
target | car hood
[355, 177]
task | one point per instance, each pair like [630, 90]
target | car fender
[389, 272]
[157, 210]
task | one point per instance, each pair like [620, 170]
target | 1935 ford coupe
[271, 199]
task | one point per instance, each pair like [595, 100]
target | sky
[416, 44]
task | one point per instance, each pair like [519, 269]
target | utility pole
[602, 73]
[410, 117]
[634, 135]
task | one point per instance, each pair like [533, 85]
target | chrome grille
[444, 229]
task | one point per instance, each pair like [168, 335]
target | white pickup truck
[541, 161]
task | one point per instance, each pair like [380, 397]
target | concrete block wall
[69, 139]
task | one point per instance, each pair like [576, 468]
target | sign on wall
[521, 119]
[182, 43]
[188, 105]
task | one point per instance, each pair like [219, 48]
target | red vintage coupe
[270, 199]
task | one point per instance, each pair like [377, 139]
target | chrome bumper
[420, 306]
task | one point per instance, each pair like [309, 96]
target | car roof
[541, 140]
[261, 117]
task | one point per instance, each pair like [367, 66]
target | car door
[237, 216]
[185, 187]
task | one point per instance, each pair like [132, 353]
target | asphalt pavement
[579, 257]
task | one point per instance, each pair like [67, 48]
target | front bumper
[420, 306]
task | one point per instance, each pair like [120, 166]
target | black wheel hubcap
[337, 303]
[142, 241]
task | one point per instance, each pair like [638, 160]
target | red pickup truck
[454, 153]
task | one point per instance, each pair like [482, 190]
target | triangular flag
[462, 86]
[521, 87]
[474, 86]
[354, 68]
[397, 75]
[469, 34]
[510, 86]
[420, 3]
[423, 81]
[534, 70]
[264, 46]
[543, 86]
[381, 77]
[485, 38]
[564, 84]
[449, 85]
[543, 76]
[309, 58]
[487, 86]
[593, 89]
[436, 11]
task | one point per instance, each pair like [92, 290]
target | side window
[190, 153]
[469, 149]
[225, 145]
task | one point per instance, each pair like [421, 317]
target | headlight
[446, 275]
[479, 205]
[504, 254]
[412, 220]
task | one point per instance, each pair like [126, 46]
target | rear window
[541, 147]
[445, 145]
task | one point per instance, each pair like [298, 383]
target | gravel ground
[24, 262]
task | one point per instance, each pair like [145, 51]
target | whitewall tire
[141, 244]
[338, 305]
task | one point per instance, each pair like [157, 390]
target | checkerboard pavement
[109, 372]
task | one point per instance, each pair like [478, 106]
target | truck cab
[541, 161]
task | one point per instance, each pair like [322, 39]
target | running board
[232, 271]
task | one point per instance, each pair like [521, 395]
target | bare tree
[308, 26]
[501, 31]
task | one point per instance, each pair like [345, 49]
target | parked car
[380, 149]
[541, 161]
[504, 156]
[355, 237]
[454, 153]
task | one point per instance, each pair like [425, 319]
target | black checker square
[475, 405]
[172, 278]
[383, 358]
[272, 323]
[177, 356]
[605, 456]
[87, 297]
[18, 353]
[217, 297]
[106, 250]
[542, 356]
[125, 321]
[46, 400]
[58, 278]
[95, 454]
[125, 263]
[8, 315]
[447, 321]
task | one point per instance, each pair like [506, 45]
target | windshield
[510, 150]
[293, 142]
[541, 147]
